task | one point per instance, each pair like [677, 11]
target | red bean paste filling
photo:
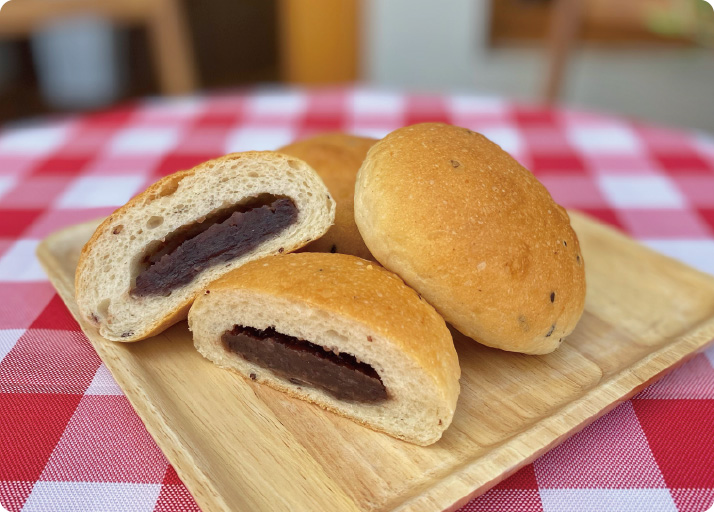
[219, 238]
[304, 363]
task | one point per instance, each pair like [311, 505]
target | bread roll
[408, 384]
[475, 233]
[336, 157]
[146, 262]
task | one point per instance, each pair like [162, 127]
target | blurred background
[652, 59]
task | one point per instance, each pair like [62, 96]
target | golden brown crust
[475, 232]
[336, 157]
[363, 292]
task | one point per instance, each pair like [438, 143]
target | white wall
[423, 44]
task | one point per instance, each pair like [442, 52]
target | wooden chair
[568, 15]
[168, 32]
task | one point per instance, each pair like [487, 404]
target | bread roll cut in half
[339, 332]
[336, 157]
[475, 233]
[147, 261]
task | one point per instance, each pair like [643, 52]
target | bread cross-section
[147, 261]
[338, 331]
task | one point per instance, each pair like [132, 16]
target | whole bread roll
[475, 233]
[145, 264]
[336, 157]
[347, 310]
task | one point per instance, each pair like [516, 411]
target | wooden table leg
[172, 49]
[565, 23]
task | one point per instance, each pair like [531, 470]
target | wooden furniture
[319, 41]
[168, 31]
[238, 445]
[565, 24]
[568, 20]
[604, 22]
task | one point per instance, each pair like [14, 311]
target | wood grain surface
[240, 446]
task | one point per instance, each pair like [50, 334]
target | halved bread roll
[337, 331]
[147, 261]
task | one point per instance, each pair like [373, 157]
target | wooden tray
[239, 446]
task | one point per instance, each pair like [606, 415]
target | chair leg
[565, 24]
[172, 49]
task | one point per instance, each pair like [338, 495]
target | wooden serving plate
[240, 446]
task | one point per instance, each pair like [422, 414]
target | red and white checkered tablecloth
[69, 439]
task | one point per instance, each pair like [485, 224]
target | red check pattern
[69, 439]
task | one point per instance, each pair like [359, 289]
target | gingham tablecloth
[69, 440]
